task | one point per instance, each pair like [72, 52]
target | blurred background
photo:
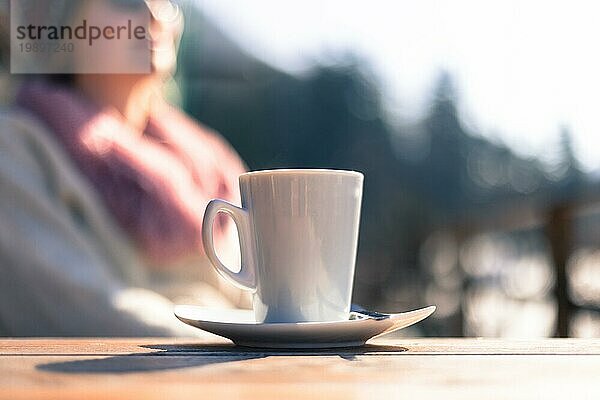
[475, 126]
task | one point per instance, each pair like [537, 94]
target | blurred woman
[102, 191]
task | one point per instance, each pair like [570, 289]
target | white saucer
[241, 327]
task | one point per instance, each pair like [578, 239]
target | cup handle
[246, 277]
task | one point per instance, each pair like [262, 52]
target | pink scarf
[156, 183]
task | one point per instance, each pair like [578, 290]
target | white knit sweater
[66, 269]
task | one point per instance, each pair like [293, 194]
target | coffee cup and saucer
[298, 234]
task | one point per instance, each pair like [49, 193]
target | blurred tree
[445, 176]
[572, 177]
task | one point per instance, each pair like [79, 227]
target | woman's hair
[37, 12]
[4, 35]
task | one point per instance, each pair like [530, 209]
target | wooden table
[214, 369]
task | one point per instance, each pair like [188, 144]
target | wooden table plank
[465, 376]
[425, 368]
[179, 346]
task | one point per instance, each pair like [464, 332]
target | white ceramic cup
[298, 232]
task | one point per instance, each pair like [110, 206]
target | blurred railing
[556, 220]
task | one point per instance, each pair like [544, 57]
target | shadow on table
[133, 363]
[179, 356]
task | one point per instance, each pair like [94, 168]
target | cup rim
[302, 171]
